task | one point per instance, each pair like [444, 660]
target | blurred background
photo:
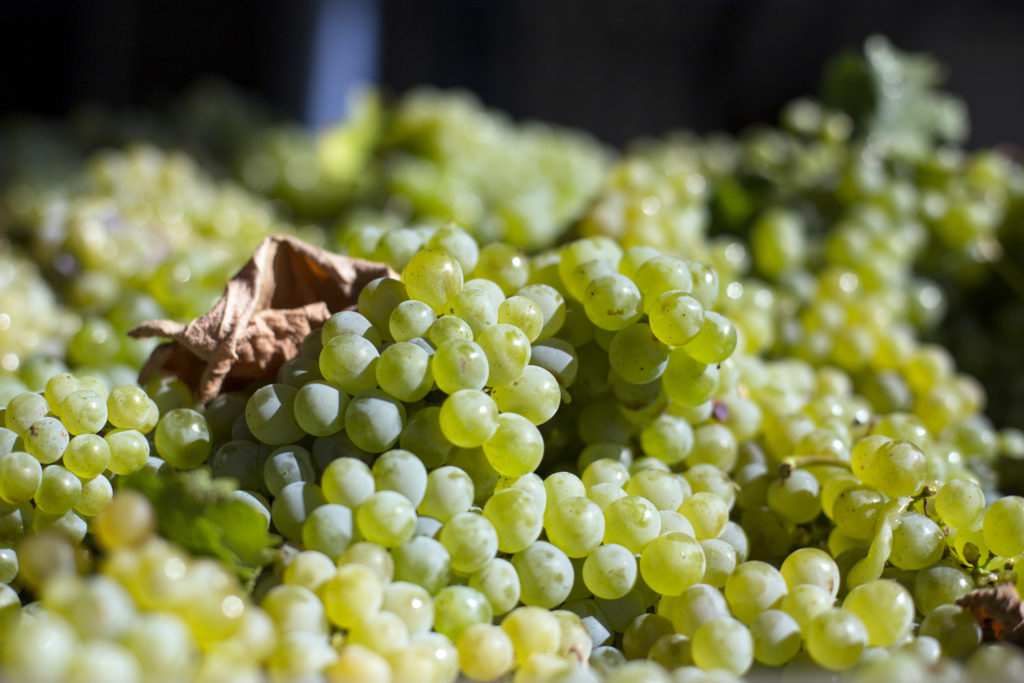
[618, 68]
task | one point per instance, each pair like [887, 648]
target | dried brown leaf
[998, 611]
[286, 290]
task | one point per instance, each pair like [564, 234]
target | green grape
[348, 322]
[95, 497]
[404, 371]
[401, 471]
[499, 582]
[319, 408]
[59, 387]
[423, 436]
[940, 585]
[585, 273]
[754, 587]
[897, 468]
[805, 601]
[46, 439]
[20, 475]
[863, 454]
[714, 444]
[811, 566]
[885, 607]
[516, 447]
[696, 605]
[795, 497]
[328, 529]
[610, 571]
[719, 561]
[183, 437]
[633, 522]
[87, 455]
[473, 462]
[433, 276]
[270, 416]
[468, 418]
[552, 306]
[642, 632]
[128, 407]
[486, 652]
[672, 562]
[424, 562]
[309, 569]
[505, 265]
[410, 319]
[836, 638]
[58, 490]
[545, 574]
[688, 382]
[612, 302]
[706, 288]
[637, 355]
[715, 341]
[382, 633]
[663, 489]
[712, 480]
[374, 420]
[27, 408]
[457, 608]
[660, 274]
[507, 350]
[446, 328]
[82, 412]
[955, 629]
[707, 513]
[778, 242]
[351, 594]
[671, 651]
[533, 630]
[776, 637]
[534, 394]
[292, 506]
[723, 643]
[470, 540]
[855, 511]
[349, 362]
[676, 317]
[960, 502]
[386, 518]
[1003, 526]
[667, 438]
[459, 244]
[449, 491]
[459, 364]
[605, 470]
[515, 517]
[299, 371]
[286, 465]
[917, 542]
[575, 525]
[524, 313]
[376, 301]
[129, 450]
[557, 357]
[412, 603]
[474, 306]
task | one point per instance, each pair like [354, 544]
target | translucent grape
[723, 643]
[183, 437]
[386, 518]
[349, 362]
[516, 447]
[612, 302]
[545, 574]
[836, 638]
[404, 371]
[960, 502]
[671, 563]
[319, 408]
[468, 418]
[1003, 526]
[460, 364]
[715, 341]
[374, 421]
[886, 609]
[270, 416]
[534, 394]
[410, 319]
[471, 540]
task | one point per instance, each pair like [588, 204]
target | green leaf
[198, 513]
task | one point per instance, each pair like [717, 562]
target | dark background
[619, 68]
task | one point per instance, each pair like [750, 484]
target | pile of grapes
[682, 414]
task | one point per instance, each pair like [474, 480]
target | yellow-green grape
[183, 436]
[508, 352]
[610, 571]
[671, 563]
[128, 407]
[668, 438]
[475, 307]
[663, 489]
[432, 276]
[404, 371]
[954, 627]
[836, 638]
[459, 364]
[516, 447]
[486, 652]
[714, 444]
[412, 603]
[59, 387]
[863, 453]
[885, 607]
[552, 306]
[534, 394]
[320, 408]
[351, 322]
[811, 566]
[471, 540]
[357, 663]
[87, 455]
[688, 382]
[95, 497]
[524, 313]
[855, 511]
[715, 341]
[459, 244]
[532, 630]
[374, 421]
[660, 274]
[897, 468]
[129, 450]
[917, 542]
[1003, 526]
[47, 439]
[613, 302]
[637, 355]
[546, 574]
[778, 242]
[458, 607]
[376, 301]
[776, 637]
[349, 362]
[515, 517]
[585, 273]
[468, 418]
[410, 319]
[448, 327]
[574, 525]
[641, 633]
[505, 264]
[269, 414]
[631, 521]
[605, 470]
[723, 643]
[940, 585]
[795, 497]
[707, 513]
[449, 491]
[26, 409]
[752, 588]
[82, 412]
[352, 594]
[634, 257]
[498, 581]
[676, 317]
[805, 601]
